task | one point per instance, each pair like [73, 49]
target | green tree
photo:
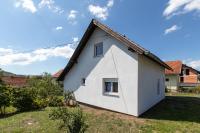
[45, 87]
[4, 95]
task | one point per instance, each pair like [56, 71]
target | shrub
[70, 98]
[55, 101]
[196, 90]
[40, 103]
[190, 90]
[22, 99]
[73, 120]
[45, 87]
[5, 97]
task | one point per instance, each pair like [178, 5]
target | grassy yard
[177, 113]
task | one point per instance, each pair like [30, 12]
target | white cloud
[4, 51]
[75, 39]
[9, 57]
[110, 3]
[50, 4]
[172, 29]
[193, 5]
[101, 12]
[193, 63]
[59, 28]
[177, 7]
[72, 17]
[72, 14]
[27, 5]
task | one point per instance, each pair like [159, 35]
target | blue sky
[33, 32]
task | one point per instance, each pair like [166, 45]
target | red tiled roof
[175, 65]
[57, 74]
[16, 81]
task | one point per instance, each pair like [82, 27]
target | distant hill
[5, 73]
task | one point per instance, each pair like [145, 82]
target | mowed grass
[176, 114]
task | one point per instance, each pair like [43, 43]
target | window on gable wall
[187, 72]
[98, 49]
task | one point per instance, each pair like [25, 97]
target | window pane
[108, 86]
[187, 71]
[99, 49]
[83, 81]
[115, 87]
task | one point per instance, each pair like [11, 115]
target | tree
[4, 95]
[45, 87]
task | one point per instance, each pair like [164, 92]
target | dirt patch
[99, 111]
[29, 122]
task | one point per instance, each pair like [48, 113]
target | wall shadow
[176, 108]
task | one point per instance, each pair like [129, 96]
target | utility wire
[48, 47]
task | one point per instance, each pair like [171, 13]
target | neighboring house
[15, 80]
[108, 70]
[181, 76]
[57, 74]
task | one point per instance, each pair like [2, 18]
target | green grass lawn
[177, 113]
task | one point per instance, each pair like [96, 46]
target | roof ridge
[124, 36]
[118, 36]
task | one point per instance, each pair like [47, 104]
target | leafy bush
[40, 103]
[190, 90]
[55, 101]
[181, 89]
[73, 120]
[70, 98]
[45, 87]
[5, 97]
[196, 90]
[22, 99]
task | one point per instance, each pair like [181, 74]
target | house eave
[130, 44]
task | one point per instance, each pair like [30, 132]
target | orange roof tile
[175, 65]
[57, 74]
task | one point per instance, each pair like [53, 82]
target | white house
[108, 70]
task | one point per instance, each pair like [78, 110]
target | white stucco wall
[173, 82]
[117, 62]
[149, 75]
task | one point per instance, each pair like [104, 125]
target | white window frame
[111, 80]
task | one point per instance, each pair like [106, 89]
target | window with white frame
[111, 86]
[98, 49]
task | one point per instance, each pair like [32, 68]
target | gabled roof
[184, 65]
[130, 44]
[57, 74]
[175, 65]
